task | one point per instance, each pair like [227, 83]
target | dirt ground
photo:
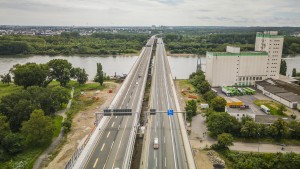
[202, 160]
[83, 122]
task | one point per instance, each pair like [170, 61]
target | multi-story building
[236, 68]
[272, 43]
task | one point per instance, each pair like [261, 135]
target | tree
[295, 129]
[59, 96]
[31, 74]
[6, 78]
[225, 140]
[218, 104]
[4, 127]
[221, 122]
[60, 70]
[203, 87]
[279, 129]
[38, 129]
[208, 96]
[80, 75]
[99, 75]
[13, 143]
[294, 72]
[191, 109]
[250, 129]
[283, 67]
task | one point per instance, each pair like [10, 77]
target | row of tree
[222, 122]
[72, 43]
[200, 43]
[202, 87]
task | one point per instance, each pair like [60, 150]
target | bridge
[112, 143]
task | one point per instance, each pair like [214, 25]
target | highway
[171, 152]
[114, 145]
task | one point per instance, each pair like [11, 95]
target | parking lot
[248, 99]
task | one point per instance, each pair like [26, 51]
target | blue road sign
[170, 112]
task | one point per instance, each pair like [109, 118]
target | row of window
[249, 78]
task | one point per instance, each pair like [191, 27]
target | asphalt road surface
[112, 146]
[170, 153]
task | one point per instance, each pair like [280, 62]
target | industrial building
[282, 92]
[236, 68]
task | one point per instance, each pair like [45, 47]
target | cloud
[149, 12]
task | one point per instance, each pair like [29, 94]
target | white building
[236, 68]
[272, 43]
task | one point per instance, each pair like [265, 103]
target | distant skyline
[150, 12]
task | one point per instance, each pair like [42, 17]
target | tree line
[200, 44]
[72, 43]
[202, 87]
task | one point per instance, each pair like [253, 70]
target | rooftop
[268, 119]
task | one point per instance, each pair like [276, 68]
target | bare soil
[202, 160]
[83, 123]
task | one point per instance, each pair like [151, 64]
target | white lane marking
[116, 117]
[119, 126]
[164, 139]
[95, 163]
[173, 143]
[156, 162]
[113, 124]
[165, 162]
[163, 124]
[102, 146]
[108, 135]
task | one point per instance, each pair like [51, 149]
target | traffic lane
[103, 147]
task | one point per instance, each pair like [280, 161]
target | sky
[150, 12]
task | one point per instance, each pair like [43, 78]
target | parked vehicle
[204, 106]
[265, 109]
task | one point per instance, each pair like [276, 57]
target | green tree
[208, 96]
[60, 69]
[283, 67]
[4, 127]
[294, 129]
[250, 129]
[59, 96]
[279, 129]
[203, 87]
[99, 75]
[225, 140]
[38, 129]
[294, 72]
[191, 109]
[31, 74]
[6, 78]
[80, 75]
[221, 122]
[218, 104]
[13, 143]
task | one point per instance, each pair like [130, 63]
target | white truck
[265, 109]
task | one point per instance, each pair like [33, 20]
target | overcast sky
[150, 12]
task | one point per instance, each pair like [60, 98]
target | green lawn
[58, 123]
[273, 106]
[8, 89]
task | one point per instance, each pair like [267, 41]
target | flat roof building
[236, 68]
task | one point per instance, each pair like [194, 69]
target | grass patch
[273, 106]
[184, 84]
[58, 124]
[8, 89]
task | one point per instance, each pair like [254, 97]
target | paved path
[38, 163]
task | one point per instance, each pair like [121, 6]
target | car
[155, 143]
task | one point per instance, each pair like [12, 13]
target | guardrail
[129, 150]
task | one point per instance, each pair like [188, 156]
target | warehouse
[279, 93]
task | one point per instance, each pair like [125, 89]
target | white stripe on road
[113, 124]
[108, 135]
[164, 139]
[102, 146]
[156, 162]
[95, 163]
[165, 162]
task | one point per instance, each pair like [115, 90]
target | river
[181, 66]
